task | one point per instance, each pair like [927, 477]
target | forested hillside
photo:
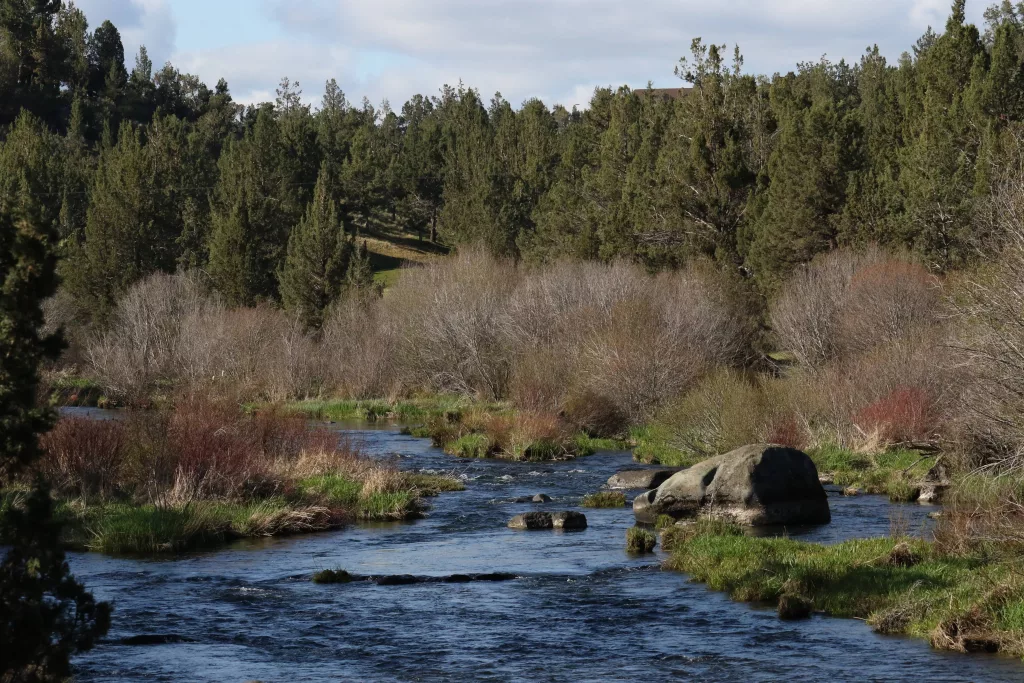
[152, 170]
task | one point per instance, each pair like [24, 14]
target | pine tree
[319, 254]
[939, 162]
[45, 615]
[708, 166]
[809, 170]
[253, 209]
[130, 229]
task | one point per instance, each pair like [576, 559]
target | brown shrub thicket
[601, 344]
[850, 302]
[876, 369]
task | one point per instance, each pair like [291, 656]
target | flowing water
[582, 609]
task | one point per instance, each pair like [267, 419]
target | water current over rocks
[580, 609]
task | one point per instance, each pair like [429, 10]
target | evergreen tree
[708, 168]
[130, 229]
[319, 255]
[45, 615]
[254, 206]
[809, 170]
[939, 163]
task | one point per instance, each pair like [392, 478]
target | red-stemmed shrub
[906, 415]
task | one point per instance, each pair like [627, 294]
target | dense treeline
[152, 170]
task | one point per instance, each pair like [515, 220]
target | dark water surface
[582, 609]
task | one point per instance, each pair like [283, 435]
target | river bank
[905, 586]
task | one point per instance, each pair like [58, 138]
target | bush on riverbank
[203, 473]
[958, 602]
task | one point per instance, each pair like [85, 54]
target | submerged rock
[569, 520]
[541, 498]
[640, 479]
[756, 485]
[532, 521]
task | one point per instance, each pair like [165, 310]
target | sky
[557, 50]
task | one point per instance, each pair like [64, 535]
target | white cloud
[555, 49]
[253, 71]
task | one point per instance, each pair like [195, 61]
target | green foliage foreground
[961, 603]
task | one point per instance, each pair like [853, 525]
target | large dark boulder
[640, 479]
[757, 485]
[532, 521]
[570, 521]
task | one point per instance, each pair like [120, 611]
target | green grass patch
[148, 529]
[651, 445]
[898, 586]
[388, 506]
[471, 446]
[605, 499]
[434, 484]
[895, 473]
[640, 540]
[375, 410]
[331, 489]
[588, 445]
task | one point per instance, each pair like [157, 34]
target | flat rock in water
[758, 485]
[640, 479]
[569, 520]
[541, 498]
[532, 521]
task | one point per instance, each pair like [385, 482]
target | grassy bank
[316, 503]
[970, 602]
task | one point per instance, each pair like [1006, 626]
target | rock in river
[532, 520]
[569, 520]
[549, 520]
[640, 479]
[757, 485]
[541, 498]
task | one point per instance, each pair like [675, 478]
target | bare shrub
[885, 302]
[140, 347]
[448, 321]
[905, 391]
[358, 350]
[990, 308]
[198, 450]
[852, 301]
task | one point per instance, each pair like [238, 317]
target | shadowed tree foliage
[45, 615]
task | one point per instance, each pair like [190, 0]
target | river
[582, 609]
